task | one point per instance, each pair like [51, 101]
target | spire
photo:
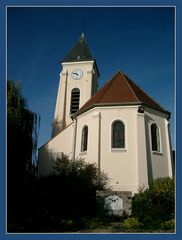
[79, 52]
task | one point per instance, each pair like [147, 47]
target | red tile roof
[120, 90]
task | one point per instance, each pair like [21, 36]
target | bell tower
[78, 82]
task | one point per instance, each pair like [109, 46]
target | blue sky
[136, 40]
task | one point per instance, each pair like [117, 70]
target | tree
[22, 132]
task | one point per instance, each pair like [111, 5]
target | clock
[77, 74]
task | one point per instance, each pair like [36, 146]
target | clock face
[77, 74]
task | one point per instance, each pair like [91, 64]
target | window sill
[118, 150]
[157, 153]
[82, 153]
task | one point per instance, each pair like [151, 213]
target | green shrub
[68, 192]
[142, 205]
[131, 223]
[162, 197]
[79, 168]
[155, 204]
[168, 225]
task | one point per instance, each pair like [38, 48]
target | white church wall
[121, 165]
[88, 119]
[63, 142]
[124, 174]
[127, 168]
[159, 162]
[45, 161]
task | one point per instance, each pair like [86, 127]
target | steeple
[79, 52]
[78, 82]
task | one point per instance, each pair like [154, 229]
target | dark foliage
[59, 201]
[156, 204]
[22, 130]
[69, 191]
[79, 168]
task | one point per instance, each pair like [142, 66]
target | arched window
[118, 134]
[84, 139]
[155, 137]
[75, 100]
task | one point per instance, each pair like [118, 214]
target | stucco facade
[127, 168]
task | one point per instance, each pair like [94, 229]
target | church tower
[78, 82]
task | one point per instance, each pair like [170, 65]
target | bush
[131, 223]
[142, 205]
[168, 225]
[69, 191]
[162, 197]
[80, 169]
[156, 204]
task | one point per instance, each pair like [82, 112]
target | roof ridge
[130, 87]
[146, 93]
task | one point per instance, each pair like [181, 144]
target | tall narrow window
[75, 100]
[84, 139]
[155, 138]
[118, 134]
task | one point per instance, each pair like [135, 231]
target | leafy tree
[22, 132]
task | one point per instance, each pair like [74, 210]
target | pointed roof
[79, 52]
[120, 90]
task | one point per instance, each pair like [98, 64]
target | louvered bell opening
[75, 100]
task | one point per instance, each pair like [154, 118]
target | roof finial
[83, 28]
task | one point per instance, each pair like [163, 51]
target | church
[120, 128]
